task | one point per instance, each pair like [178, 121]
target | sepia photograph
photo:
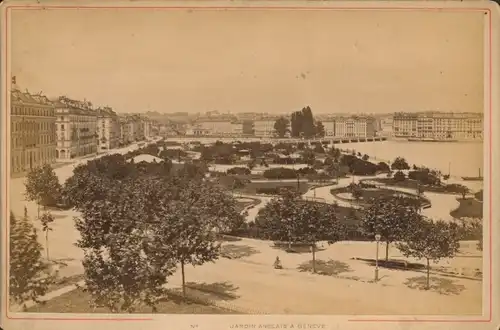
[247, 161]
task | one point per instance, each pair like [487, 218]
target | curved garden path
[441, 204]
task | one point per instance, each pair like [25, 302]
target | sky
[252, 61]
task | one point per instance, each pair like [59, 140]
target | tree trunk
[47, 243]
[386, 251]
[428, 273]
[183, 279]
[38, 209]
[313, 249]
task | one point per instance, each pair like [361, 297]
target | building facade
[76, 128]
[438, 126]
[108, 129]
[329, 126]
[125, 136]
[354, 127]
[33, 131]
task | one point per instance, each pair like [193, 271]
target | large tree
[281, 126]
[42, 186]
[199, 212]
[432, 241]
[302, 123]
[29, 275]
[320, 129]
[127, 244]
[291, 219]
[391, 217]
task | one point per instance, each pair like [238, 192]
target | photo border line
[487, 11]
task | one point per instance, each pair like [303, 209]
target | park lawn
[368, 194]
[468, 208]
[252, 187]
[77, 301]
[412, 184]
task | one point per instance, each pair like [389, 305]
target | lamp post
[377, 239]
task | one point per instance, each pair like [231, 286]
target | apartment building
[32, 131]
[354, 127]
[76, 128]
[125, 136]
[438, 125]
[108, 129]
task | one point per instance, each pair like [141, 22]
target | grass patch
[77, 301]
[368, 194]
[413, 184]
[468, 208]
[254, 187]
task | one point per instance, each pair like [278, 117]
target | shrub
[306, 171]
[273, 190]
[399, 176]
[280, 173]
[358, 166]
[425, 176]
[239, 171]
[383, 167]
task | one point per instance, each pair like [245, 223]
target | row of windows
[32, 159]
[31, 125]
[31, 141]
[31, 111]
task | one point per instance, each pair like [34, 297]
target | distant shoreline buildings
[440, 126]
[47, 131]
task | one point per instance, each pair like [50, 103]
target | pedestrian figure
[277, 263]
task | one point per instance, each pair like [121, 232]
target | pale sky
[259, 61]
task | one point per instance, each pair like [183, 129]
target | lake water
[462, 158]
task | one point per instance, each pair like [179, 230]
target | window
[62, 127]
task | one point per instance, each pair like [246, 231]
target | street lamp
[377, 239]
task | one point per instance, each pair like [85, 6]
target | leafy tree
[290, 218]
[320, 129]
[308, 157]
[46, 219]
[199, 212]
[399, 176]
[458, 188]
[29, 275]
[432, 241]
[281, 126]
[302, 123]
[400, 164]
[319, 149]
[328, 161]
[42, 186]
[356, 191]
[127, 242]
[335, 153]
[391, 217]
